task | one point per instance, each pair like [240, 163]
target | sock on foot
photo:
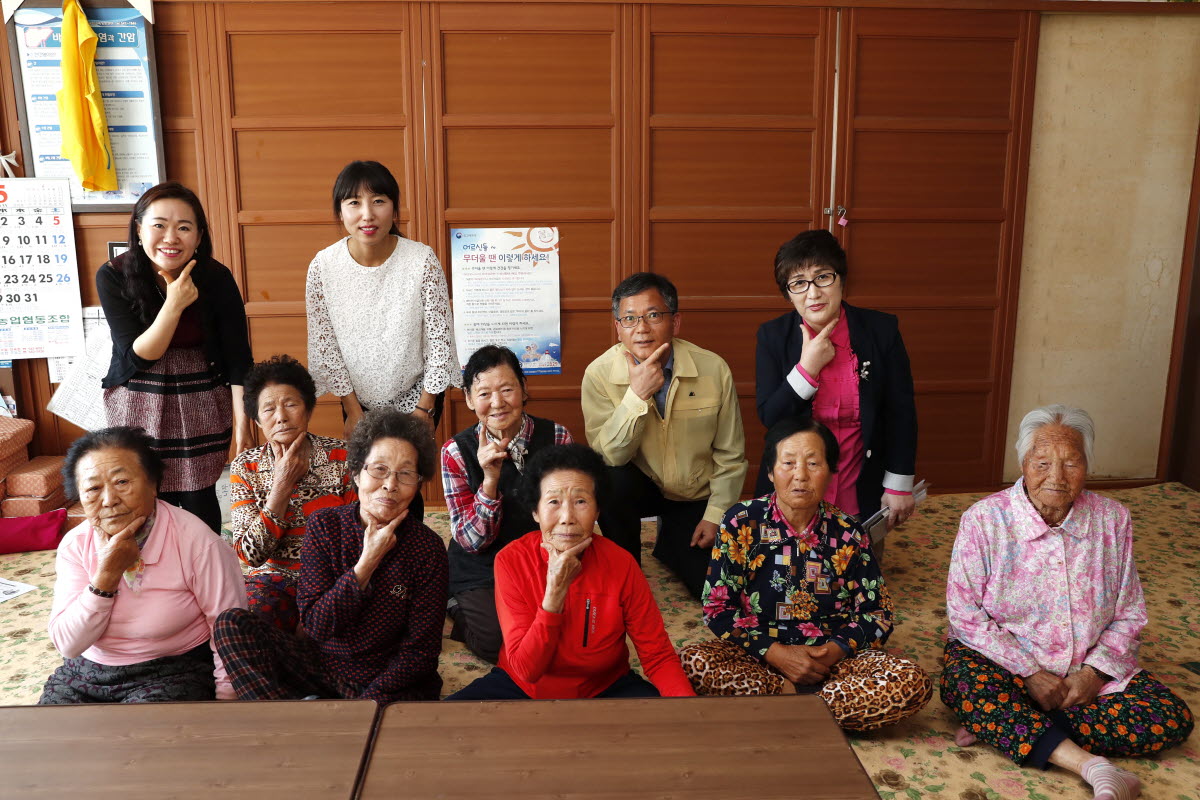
[1110, 782]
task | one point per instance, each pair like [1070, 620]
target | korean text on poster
[40, 310]
[506, 292]
[123, 68]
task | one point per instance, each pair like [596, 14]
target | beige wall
[1114, 139]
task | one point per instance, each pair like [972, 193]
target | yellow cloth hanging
[81, 119]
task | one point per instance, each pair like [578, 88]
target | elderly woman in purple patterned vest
[481, 467]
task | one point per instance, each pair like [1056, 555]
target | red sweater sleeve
[531, 633]
[644, 624]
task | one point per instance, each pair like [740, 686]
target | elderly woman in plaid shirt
[481, 467]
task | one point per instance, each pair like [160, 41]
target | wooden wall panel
[736, 134]
[928, 170]
[706, 168]
[300, 84]
[930, 158]
[279, 253]
[967, 78]
[738, 74]
[489, 72]
[516, 168]
[268, 177]
[902, 259]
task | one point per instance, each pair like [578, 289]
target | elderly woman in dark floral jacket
[797, 599]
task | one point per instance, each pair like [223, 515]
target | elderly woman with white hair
[1045, 617]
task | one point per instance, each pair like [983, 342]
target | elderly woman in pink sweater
[139, 585]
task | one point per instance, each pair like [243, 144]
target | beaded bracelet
[101, 592]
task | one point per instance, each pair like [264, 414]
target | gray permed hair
[1058, 414]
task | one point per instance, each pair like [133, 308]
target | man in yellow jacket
[664, 415]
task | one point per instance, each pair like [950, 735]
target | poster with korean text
[506, 292]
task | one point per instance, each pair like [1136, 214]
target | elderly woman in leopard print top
[279, 485]
[797, 598]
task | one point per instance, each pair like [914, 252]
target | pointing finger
[188, 269]
[828, 329]
[575, 550]
[657, 354]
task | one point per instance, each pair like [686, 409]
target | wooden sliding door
[529, 110]
[737, 120]
[931, 161]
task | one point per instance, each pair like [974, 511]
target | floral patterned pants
[991, 703]
[863, 692]
[273, 597]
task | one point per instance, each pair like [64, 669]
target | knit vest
[473, 570]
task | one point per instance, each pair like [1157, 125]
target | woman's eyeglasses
[800, 285]
[380, 473]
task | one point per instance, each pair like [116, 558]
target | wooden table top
[294, 750]
[687, 748]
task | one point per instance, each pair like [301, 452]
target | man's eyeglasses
[654, 318]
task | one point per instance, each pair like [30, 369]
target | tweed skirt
[188, 412]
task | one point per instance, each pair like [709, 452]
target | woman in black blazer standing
[180, 350]
[847, 367]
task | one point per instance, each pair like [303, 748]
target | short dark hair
[789, 427]
[135, 440]
[369, 175]
[488, 357]
[817, 248]
[387, 423]
[282, 370]
[643, 282]
[560, 457]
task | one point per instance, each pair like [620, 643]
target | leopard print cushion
[865, 692]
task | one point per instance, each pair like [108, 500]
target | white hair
[1076, 419]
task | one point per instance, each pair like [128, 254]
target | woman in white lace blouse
[379, 329]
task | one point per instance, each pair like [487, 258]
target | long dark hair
[376, 179]
[138, 272]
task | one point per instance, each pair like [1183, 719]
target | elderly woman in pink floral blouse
[1046, 614]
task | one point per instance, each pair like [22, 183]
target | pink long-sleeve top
[836, 406]
[1030, 597]
[190, 577]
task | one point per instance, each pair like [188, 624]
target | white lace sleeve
[441, 360]
[324, 356]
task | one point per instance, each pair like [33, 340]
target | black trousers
[202, 502]
[476, 624]
[635, 496]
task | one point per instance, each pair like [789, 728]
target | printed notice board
[40, 309]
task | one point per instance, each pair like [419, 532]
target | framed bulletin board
[125, 66]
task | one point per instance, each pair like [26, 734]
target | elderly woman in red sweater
[567, 599]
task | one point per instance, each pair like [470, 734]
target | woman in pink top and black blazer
[846, 367]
